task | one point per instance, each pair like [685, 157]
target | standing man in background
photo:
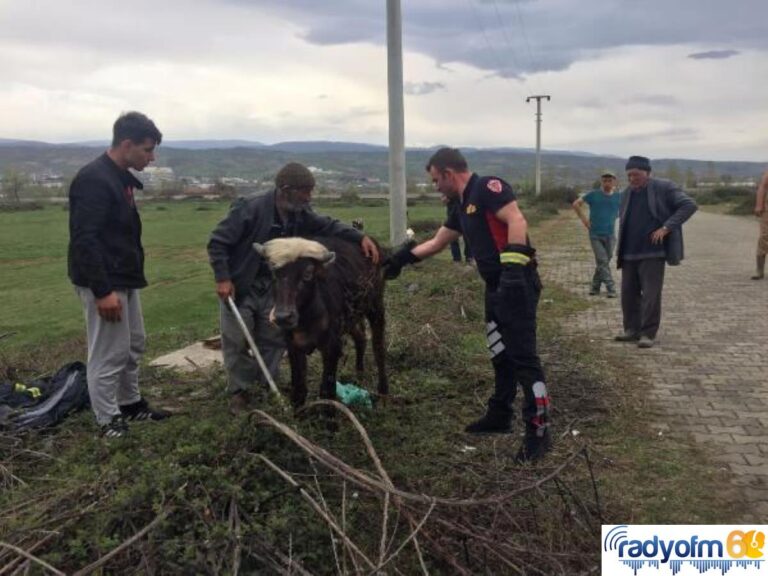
[490, 219]
[603, 205]
[450, 206]
[106, 265]
[651, 221]
[762, 213]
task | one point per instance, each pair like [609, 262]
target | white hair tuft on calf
[282, 251]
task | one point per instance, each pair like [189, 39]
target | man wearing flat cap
[603, 205]
[241, 273]
[651, 217]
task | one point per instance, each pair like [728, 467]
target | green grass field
[40, 305]
[212, 505]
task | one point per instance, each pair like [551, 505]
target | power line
[492, 50]
[507, 37]
[525, 36]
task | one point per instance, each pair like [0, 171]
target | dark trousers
[456, 251]
[511, 332]
[641, 284]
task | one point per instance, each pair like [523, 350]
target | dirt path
[709, 370]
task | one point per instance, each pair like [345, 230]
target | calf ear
[259, 248]
[329, 258]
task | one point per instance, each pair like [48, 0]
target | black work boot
[491, 423]
[534, 447]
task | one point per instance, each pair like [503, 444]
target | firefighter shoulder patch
[495, 186]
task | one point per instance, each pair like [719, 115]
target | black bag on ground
[53, 398]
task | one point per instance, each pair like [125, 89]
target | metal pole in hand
[252, 344]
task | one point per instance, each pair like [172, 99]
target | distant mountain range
[299, 147]
[342, 165]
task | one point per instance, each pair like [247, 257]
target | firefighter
[491, 221]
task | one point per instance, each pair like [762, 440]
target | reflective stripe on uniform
[494, 341]
[541, 420]
[514, 258]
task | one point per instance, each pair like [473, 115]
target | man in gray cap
[241, 273]
[603, 205]
[651, 217]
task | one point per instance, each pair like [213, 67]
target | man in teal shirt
[603, 210]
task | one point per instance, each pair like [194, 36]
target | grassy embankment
[213, 506]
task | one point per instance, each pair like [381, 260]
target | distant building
[154, 176]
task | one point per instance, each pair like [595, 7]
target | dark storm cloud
[512, 38]
[714, 55]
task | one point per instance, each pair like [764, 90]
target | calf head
[296, 265]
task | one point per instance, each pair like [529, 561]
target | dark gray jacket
[250, 220]
[668, 204]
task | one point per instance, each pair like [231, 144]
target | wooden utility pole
[397, 200]
[538, 138]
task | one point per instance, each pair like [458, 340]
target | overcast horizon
[665, 80]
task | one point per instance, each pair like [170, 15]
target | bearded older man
[243, 274]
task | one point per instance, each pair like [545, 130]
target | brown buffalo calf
[325, 288]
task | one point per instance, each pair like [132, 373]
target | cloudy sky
[679, 78]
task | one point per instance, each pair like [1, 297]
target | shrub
[745, 206]
[20, 206]
[429, 226]
[556, 195]
[723, 194]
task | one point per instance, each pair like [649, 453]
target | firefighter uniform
[510, 310]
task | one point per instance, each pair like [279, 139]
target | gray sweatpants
[242, 368]
[114, 351]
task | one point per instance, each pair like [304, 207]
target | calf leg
[298, 361]
[331, 354]
[376, 319]
[358, 336]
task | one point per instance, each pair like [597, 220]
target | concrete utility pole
[397, 202]
[538, 139]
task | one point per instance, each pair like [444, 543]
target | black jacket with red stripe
[476, 219]
[105, 251]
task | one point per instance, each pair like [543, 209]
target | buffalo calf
[325, 288]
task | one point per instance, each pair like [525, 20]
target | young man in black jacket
[489, 218]
[106, 265]
[242, 273]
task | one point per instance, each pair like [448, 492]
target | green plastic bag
[352, 395]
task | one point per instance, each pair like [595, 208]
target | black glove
[514, 258]
[394, 264]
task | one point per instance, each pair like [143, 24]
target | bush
[745, 206]
[374, 202]
[350, 197]
[429, 226]
[556, 195]
[723, 194]
[20, 206]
